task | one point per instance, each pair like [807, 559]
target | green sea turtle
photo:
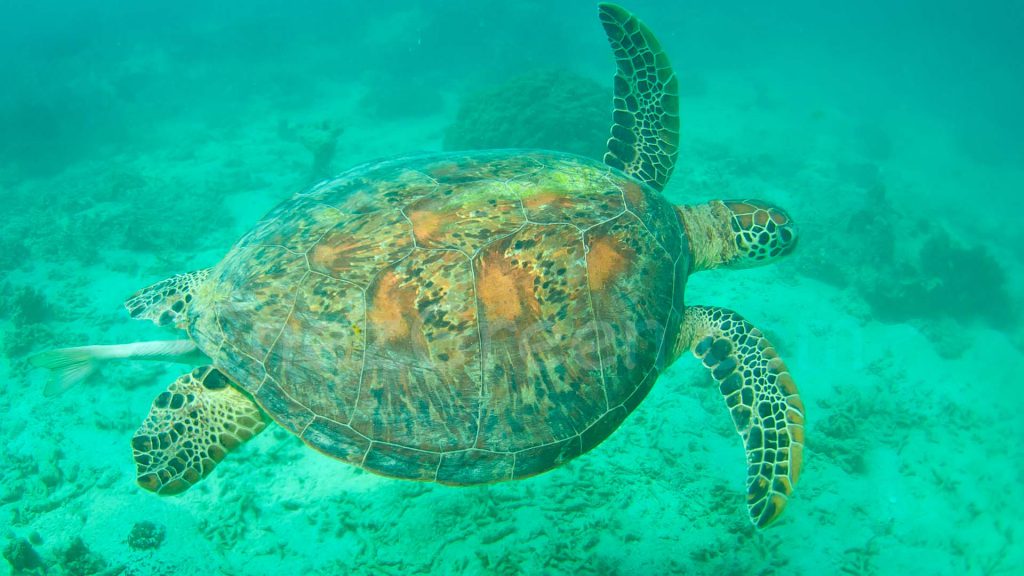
[471, 317]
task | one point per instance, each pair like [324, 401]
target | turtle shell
[458, 318]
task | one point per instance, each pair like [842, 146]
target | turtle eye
[787, 238]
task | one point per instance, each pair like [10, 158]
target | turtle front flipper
[167, 300]
[190, 429]
[761, 398]
[645, 129]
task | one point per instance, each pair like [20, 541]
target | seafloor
[898, 315]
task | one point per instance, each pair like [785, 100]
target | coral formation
[553, 110]
[92, 218]
[914, 270]
[949, 279]
[74, 560]
[25, 339]
[78, 560]
[319, 138]
[23, 558]
[13, 253]
[146, 535]
[28, 305]
[29, 314]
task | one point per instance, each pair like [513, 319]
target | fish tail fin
[68, 366]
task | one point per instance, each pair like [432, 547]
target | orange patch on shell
[391, 307]
[604, 262]
[505, 291]
[546, 198]
[426, 224]
[326, 256]
[332, 257]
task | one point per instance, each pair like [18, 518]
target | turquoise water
[140, 142]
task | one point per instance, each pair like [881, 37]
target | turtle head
[737, 233]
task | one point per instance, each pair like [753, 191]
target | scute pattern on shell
[460, 318]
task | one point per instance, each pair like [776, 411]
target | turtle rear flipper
[166, 301]
[645, 129]
[762, 399]
[191, 427]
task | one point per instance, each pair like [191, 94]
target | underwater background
[138, 141]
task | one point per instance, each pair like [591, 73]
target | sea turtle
[471, 317]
